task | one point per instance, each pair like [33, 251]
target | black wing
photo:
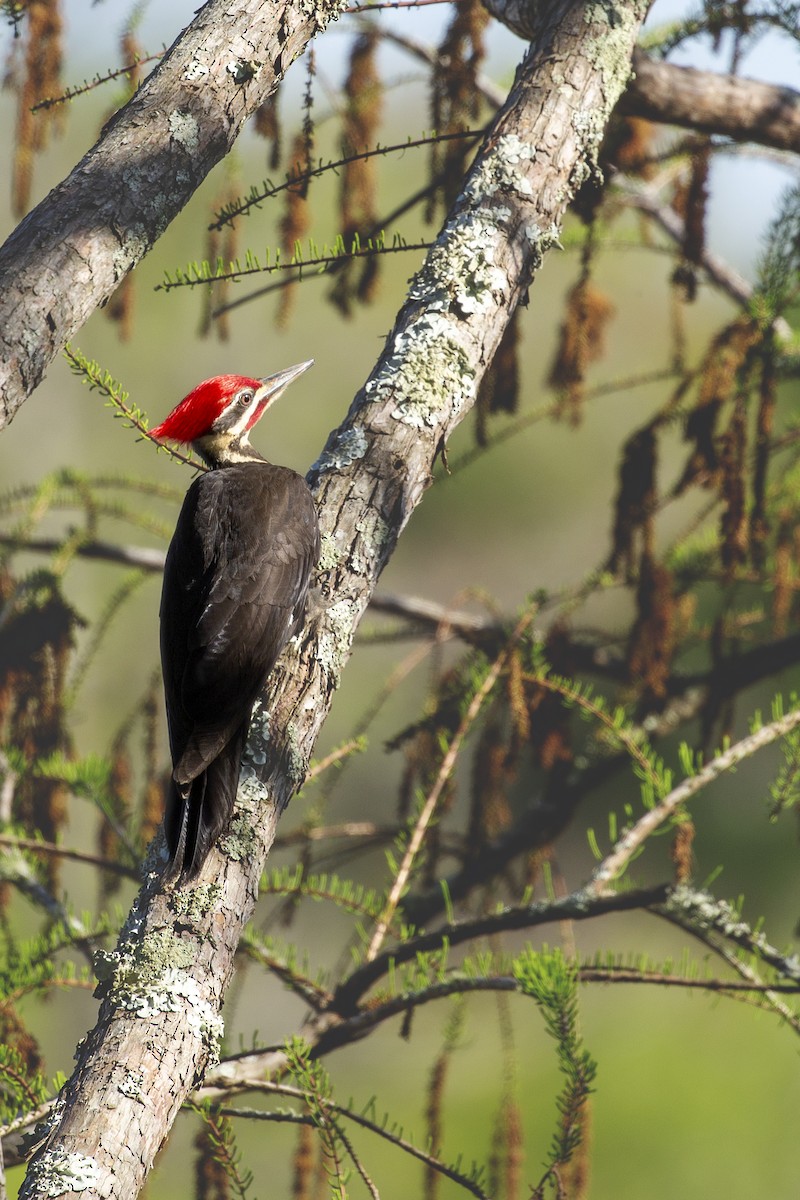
[235, 586]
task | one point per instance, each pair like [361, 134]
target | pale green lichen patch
[369, 546]
[133, 248]
[239, 840]
[161, 950]
[427, 374]
[257, 747]
[330, 555]
[502, 169]
[322, 14]
[460, 272]
[580, 173]
[374, 529]
[196, 902]
[347, 446]
[334, 642]
[610, 52]
[589, 126]
[541, 240]
[719, 916]
[131, 1084]
[169, 990]
[60, 1171]
[177, 992]
[184, 130]
[150, 976]
[294, 757]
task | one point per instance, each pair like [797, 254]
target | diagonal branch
[445, 771]
[743, 109]
[726, 278]
[614, 864]
[71, 252]
[729, 105]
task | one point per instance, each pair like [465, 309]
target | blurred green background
[694, 1097]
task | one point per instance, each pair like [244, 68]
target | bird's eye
[245, 398]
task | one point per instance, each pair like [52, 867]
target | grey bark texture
[69, 254]
[743, 109]
[163, 987]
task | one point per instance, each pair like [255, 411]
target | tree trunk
[70, 253]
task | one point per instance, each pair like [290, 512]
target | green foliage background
[694, 1096]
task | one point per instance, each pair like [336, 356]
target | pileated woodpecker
[235, 586]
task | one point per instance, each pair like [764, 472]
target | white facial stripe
[248, 414]
[234, 420]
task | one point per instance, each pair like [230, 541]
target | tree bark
[728, 105]
[743, 109]
[163, 986]
[70, 253]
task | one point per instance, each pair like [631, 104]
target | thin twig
[348, 829]
[351, 1150]
[550, 410]
[713, 922]
[430, 612]
[284, 1089]
[318, 768]
[445, 770]
[89, 85]
[614, 863]
[93, 860]
[90, 372]
[645, 200]
[382, 223]
[400, 672]
[131, 556]
[17, 871]
[362, 8]
[299, 180]
[659, 978]
[490, 91]
[318, 262]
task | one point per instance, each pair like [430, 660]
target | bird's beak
[274, 385]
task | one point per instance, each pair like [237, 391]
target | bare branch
[300, 179]
[432, 799]
[729, 105]
[81, 856]
[70, 253]
[743, 109]
[577, 906]
[130, 556]
[715, 923]
[282, 1089]
[72, 93]
[614, 863]
[645, 199]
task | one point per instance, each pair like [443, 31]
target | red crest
[198, 411]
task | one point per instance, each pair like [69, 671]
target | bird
[235, 591]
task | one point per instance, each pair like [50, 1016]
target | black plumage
[235, 589]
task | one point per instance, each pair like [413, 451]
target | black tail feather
[197, 812]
